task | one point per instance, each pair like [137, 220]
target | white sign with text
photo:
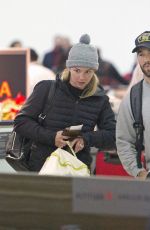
[111, 196]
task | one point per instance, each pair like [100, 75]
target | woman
[77, 101]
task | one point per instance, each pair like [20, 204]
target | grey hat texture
[83, 54]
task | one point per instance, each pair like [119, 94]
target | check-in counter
[32, 201]
[5, 129]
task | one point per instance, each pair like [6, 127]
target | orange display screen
[13, 82]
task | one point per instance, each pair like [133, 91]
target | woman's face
[80, 76]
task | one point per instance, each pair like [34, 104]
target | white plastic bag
[61, 162]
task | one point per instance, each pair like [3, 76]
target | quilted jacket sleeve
[26, 122]
[104, 137]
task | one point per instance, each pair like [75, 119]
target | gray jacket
[125, 133]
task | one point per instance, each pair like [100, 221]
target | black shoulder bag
[18, 147]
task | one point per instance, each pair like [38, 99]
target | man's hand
[142, 174]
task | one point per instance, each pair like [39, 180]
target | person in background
[56, 58]
[37, 72]
[108, 75]
[136, 77]
[77, 101]
[16, 44]
[125, 132]
[66, 46]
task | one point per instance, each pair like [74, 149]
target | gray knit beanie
[83, 54]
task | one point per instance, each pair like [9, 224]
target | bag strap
[136, 108]
[69, 145]
[49, 102]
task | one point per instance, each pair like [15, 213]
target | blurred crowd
[53, 62]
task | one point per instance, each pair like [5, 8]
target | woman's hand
[77, 144]
[60, 140]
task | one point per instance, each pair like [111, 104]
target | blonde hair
[90, 88]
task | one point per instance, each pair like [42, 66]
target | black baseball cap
[143, 40]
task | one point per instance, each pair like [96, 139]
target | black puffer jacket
[66, 111]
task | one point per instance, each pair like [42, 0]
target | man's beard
[147, 71]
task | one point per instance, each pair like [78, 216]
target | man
[55, 59]
[16, 44]
[37, 72]
[108, 75]
[125, 133]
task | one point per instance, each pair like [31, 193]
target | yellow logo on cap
[144, 38]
